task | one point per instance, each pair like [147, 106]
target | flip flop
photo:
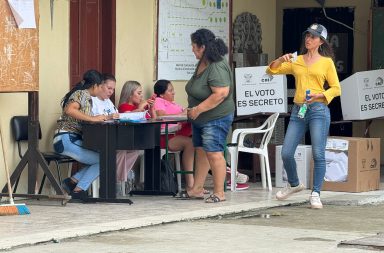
[185, 196]
[213, 199]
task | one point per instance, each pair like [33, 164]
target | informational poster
[23, 12]
[257, 91]
[178, 19]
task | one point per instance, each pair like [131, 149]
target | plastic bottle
[303, 109]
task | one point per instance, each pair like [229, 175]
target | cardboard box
[362, 95]
[303, 156]
[363, 164]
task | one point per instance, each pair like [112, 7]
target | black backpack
[168, 181]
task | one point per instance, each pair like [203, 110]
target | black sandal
[213, 199]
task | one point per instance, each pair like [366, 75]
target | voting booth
[303, 157]
[357, 158]
[362, 95]
[256, 91]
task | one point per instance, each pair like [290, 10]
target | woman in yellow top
[312, 69]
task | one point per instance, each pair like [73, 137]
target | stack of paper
[133, 116]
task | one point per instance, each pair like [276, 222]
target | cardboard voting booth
[256, 91]
[362, 95]
[362, 167]
[303, 157]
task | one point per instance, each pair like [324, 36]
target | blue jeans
[71, 144]
[212, 135]
[317, 121]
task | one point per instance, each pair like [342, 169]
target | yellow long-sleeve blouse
[311, 77]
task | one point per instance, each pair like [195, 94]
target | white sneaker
[288, 191]
[315, 201]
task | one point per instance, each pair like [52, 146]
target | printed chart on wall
[177, 20]
[19, 47]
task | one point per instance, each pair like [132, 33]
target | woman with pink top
[179, 140]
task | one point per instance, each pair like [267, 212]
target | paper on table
[173, 117]
[133, 115]
[23, 12]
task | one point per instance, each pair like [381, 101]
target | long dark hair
[161, 87]
[215, 48]
[325, 49]
[90, 78]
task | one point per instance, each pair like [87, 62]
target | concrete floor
[50, 222]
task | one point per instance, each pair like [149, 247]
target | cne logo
[379, 81]
[373, 163]
[266, 78]
[247, 77]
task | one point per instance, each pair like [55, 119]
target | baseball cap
[318, 30]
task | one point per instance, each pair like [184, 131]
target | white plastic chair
[261, 149]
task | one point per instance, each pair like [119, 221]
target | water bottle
[303, 109]
[131, 180]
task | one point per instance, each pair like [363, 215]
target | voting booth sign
[256, 91]
[362, 95]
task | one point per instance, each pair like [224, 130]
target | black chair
[19, 125]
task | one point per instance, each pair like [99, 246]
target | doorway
[92, 37]
[297, 20]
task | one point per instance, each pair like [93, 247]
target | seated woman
[131, 100]
[180, 140]
[125, 159]
[77, 107]
[102, 104]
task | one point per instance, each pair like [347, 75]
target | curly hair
[215, 48]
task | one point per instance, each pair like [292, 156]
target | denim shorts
[212, 135]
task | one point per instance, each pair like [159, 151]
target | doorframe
[106, 19]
